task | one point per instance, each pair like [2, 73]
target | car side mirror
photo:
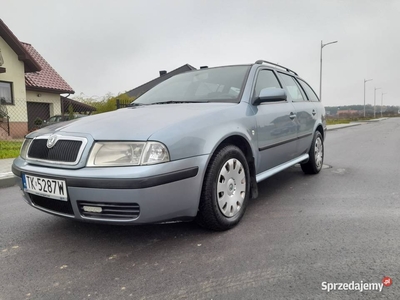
[271, 95]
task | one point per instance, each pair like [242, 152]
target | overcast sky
[113, 46]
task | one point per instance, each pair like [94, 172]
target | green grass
[9, 149]
[337, 121]
[333, 121]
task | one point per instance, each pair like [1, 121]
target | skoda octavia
[193, 147]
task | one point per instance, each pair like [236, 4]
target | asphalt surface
[337, 227]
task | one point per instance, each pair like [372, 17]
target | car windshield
[222, 84]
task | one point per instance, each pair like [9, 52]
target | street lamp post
[375, 99]
[365, 80]
[320, 68]
[382, 102]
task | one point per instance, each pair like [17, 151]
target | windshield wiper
[134, 104]
[174, 102]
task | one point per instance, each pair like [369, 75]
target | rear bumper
[139, 195]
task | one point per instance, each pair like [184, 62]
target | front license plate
[46, 187]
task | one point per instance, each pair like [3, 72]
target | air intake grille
[57, 206]
[62, 151]
[122, 211]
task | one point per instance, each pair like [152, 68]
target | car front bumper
[158, 193]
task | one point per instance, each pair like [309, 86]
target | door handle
[314, 112]
[292, 116]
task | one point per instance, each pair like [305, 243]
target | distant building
[348, 112]
[140, 90]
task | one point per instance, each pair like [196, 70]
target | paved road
[339, 226]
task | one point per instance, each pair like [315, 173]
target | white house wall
[41, 97]
[17, 112]
[15, 73]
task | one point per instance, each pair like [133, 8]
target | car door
[313, 100]
[305, 112]
[276, 125]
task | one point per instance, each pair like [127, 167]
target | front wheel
[316, 160]
[226, 189]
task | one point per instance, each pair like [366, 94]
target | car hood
[133, 123]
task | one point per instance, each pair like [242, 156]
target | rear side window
[265, 79]
[292, 88]
[309, 91]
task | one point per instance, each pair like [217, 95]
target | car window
[265, 79]
[308, 90]
[52, 119]
[292, 88]
[222, 84]
[176, 89]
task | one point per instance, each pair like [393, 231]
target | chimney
[163, 72]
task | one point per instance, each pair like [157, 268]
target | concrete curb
[8, 181]
[340, 126]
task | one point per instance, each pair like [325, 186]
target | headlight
[155, 153]
[127, 154]
[25, 148]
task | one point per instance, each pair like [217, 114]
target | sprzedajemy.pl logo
[356, 286]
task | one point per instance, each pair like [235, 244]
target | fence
[122, 103]
[26, 115]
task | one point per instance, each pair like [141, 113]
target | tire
[316, 153]
[226, 190]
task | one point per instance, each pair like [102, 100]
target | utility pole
[320, 68]
[375, 99]
[382, 102]
[365, 80]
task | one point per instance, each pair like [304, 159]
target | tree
[70, 112]
[105, 103]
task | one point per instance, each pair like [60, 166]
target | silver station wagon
[193, 147]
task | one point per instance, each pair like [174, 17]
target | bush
[38, 121]
[107, 103]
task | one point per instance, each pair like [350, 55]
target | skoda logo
[51, 141]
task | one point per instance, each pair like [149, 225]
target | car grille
[62, 151]
[121, 211]
[54, 205]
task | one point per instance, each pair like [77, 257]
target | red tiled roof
[47, 78]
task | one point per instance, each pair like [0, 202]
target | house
[29, 88]
[136, 92]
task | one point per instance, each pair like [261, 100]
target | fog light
[93, 209]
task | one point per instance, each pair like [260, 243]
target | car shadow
[129, 235]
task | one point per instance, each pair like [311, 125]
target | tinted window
[292, 88]
[207, 85]
[266, 79]
[309, 91]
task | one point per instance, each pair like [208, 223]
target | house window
[6, 93]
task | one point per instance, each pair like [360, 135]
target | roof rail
[259, 62]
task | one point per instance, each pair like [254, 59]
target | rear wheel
[316, 155]
[226, 190]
